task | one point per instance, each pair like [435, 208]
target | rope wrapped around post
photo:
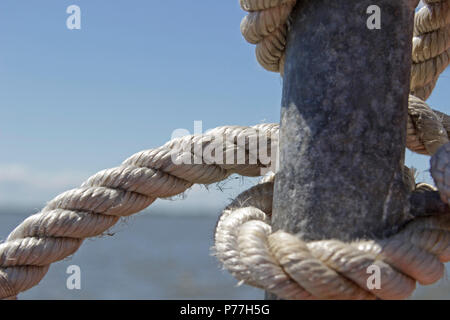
[58, 230]
[277, 262]
[266, 25]
[283, 264]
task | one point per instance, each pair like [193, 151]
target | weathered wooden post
[343, 119]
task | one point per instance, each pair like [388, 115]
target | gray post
[343, 120]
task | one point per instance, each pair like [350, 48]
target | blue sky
[73, 102]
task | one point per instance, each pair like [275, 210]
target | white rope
[58, 230]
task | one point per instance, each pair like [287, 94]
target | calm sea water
[153, 256]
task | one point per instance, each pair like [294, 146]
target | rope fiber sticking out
[277, 262]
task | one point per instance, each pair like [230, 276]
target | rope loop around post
[278, 262]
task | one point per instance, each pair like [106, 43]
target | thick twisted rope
[59, 229]
[266, 25]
